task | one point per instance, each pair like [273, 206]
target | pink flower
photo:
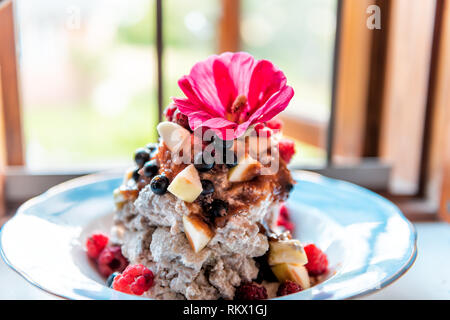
[232, 91]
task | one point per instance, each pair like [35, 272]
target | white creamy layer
[151, 232]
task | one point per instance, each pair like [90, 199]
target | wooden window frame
[436, 165]
[357, 116]
[386, 119]
[12, 152]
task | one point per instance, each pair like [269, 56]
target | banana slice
[287, 251]
[186, 185]
[197, 232]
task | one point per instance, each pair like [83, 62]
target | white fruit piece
[173, 135]
[246, 170]
[239, 148]
[118, 197]
[292, 272]
[258, 146]
[197, 232]
[128, 175]
[286, 251]
[186, 185]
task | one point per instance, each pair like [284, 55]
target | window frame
[368, 109]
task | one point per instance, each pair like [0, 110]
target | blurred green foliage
[282, 31]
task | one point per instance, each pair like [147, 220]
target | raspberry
[197, 139]
[111, 260]
[181, 119]
[250, 291]
[259, 126]
[284, 213]
[284, 219]
[288, 287]
[136, 279]
[266, 132]
[262, 130]
[317, 260]
[288, 225]
[275, 124]
[95, 244]
[287, 149]
[169, 112]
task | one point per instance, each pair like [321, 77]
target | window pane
[190, 29]
[298, 36]
[87, 80]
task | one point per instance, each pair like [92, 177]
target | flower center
[237, 108]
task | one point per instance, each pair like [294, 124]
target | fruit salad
[202, 214]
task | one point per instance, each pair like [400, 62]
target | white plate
[368, 241]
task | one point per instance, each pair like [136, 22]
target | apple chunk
[292, 272]
[246, 170]
[173, 135]
[286, 251]
[197, 232]
[186, 185]
[259, 146]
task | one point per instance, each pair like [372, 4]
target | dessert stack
[201, 207]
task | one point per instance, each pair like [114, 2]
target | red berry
[262, 130]
[284, 213]
[287, 149]
[259, 126]
[250, 291]
[275, 124]
[136, 279]
[197, 140]
[266, 132]
[288, 287]
[111, 260]
[317, 260]
[95, 244]
[181, 119]
[284, 219]
[169, 112]
[288, 225]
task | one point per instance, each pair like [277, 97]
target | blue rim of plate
[301, 177]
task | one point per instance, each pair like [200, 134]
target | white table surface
[429, 277]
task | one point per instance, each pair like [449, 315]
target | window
[307, 28]
[97, 59]
[87, 80]
[370, 107]
[188, 36]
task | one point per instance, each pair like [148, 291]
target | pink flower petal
[276, 103]
[241, 68]
[265, 81]
[213, 85]
[203, 83]
[224, 84]
[187, 89]
[223, 128]
[193, 111]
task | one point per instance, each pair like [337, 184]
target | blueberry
[150, 168]
[289, 187]
[136, 175]
[159, 184]
[217, 208]
[231, 162]
[152, 147]
[227, 157]
[220, 144]
[200, 163]
[141, 156]
[208, 187]
[110, 279]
